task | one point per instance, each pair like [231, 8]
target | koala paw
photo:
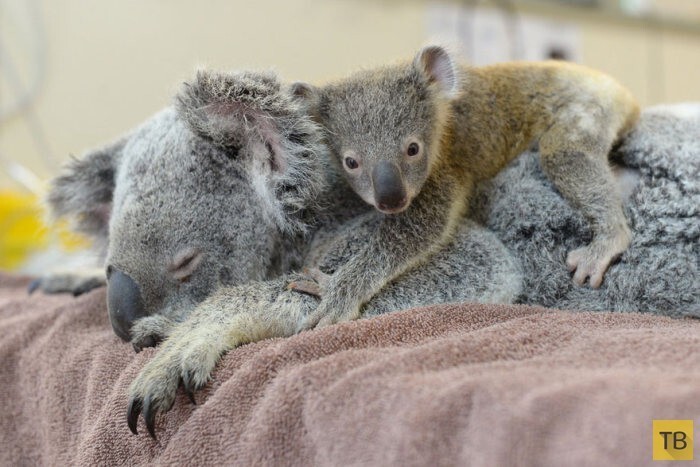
[313, 284]
[153, 391]
[186, 358]
[592, 261]
[329, 312]
[150, 331]
[76, 283]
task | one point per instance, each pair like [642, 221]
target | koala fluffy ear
[304, 92]
[226, 107]
[84, 192]
[437, 65]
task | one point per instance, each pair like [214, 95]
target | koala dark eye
[351, 163]
[413, 149]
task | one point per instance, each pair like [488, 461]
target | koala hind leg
[75, 282]
[577, 164]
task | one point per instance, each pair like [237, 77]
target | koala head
[385, 125]
[217, 190]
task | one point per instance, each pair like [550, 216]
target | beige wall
[112, 63]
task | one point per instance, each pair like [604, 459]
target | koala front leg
[231, 317]
[76, 282]
[400, 242]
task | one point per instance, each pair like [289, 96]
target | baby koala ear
[302, 90]
[307, 95]
[437, 65]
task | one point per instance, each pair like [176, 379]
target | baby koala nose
[389, 191]
[392, 205]
[124, 302]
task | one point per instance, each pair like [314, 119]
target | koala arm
[231, 317]
[399, 243]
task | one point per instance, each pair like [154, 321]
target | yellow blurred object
[23, 231]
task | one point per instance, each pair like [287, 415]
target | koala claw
[147, 341]
[150, 331]
[189, 385]
[592, 261]
[314, 283]
[132, 414]
[149, 416]
[33, 286]
[307, 287]
[186, 358]
[148, 406]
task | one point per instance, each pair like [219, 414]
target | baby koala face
[385, 126]
[387, 179]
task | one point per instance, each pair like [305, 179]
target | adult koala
[223, 196]
[213, 191]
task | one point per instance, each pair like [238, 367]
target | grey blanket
[660, 271]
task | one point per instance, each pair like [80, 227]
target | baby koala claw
[592, 261]
[313, 285]
[307, 287]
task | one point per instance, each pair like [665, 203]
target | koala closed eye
[185, 263]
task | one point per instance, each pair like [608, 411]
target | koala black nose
[124, 302]
[389, 191]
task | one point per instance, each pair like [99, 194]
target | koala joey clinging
[414, 138]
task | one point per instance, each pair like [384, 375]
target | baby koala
[413, 139]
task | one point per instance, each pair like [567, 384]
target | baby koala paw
[74, 282]
[592, 261]
[313, 283]
[331, 310]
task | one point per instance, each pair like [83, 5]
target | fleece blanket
[458, 384]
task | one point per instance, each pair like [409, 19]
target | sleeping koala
[213, 191]
[205, 212]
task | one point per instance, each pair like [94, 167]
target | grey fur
[659, 273]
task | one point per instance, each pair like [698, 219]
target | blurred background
[75, 74]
